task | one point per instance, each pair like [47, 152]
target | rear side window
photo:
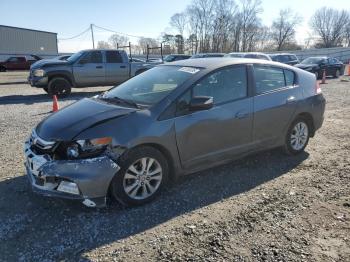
[268, 78]
[114, 57]
[290, 77]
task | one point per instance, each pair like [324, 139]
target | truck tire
[2, 69]
[140, 71]
[59, 86]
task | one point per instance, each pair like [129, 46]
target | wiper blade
[120, 100]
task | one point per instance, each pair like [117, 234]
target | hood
[48, 62]
[68, 122]
[305, 65]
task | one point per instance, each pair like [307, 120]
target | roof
[13, 27]
[212, 63]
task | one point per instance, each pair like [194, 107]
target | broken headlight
[88, 148]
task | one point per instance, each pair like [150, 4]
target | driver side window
[224, 85]
[93, 57]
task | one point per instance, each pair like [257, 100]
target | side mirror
[201, 103]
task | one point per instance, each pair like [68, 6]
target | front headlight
[39, 72]
[88, 148]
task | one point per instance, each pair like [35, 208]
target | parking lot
[267, 207]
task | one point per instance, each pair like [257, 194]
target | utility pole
[92, 36]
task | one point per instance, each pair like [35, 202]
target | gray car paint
[200, 139]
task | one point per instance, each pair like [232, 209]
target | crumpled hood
[48, 62]
[302, 66]
[68, 122]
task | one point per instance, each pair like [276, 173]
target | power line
[120, 33]
[80, 34]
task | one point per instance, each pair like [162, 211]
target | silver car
[175, 119]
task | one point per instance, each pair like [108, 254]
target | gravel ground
[267, 207]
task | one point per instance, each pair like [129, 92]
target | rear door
[117, 70]
[208, 136]
[276, 94]
[90, 70]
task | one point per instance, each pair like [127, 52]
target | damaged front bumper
[86, 180]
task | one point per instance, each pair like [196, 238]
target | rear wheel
[297, 136]
[140, 71]
[59, 86]
[143, 173]
[2, 69]
[317, 75]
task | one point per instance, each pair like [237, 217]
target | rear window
[271, 78]
[113, 57]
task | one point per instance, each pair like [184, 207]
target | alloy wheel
[299, 136]
[143, 178]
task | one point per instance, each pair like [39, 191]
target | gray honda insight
[175, 119]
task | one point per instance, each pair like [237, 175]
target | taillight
[318, 89]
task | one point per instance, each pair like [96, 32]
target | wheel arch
[64, 75]
[308, 117]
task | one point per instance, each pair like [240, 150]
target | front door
[90, 70]
[274, 103]
[208, 136]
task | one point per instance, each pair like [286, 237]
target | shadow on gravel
[35, 227]
[40, 98]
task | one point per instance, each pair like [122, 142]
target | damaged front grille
[39, 145]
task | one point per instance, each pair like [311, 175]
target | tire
[59, 86]
[132, 187]
[337, 74]
[140, 71]
[2, 69]
[295, 142]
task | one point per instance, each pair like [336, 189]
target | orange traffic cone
[324, 77]
[55, 106]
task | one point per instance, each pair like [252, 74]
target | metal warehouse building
[22, 41]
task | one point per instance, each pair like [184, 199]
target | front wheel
[143, 173]
[59, 86]
[337, 74]
[297, 136]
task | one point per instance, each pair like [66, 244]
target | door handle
[290, 100]
[122, 66]
[99, 67]
[241, 115]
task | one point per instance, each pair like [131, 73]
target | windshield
[75, 56]
[153, 85]
[169, 58]
[312, 60]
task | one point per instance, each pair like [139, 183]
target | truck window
[13, 59]
[92, 57]
[114, 57]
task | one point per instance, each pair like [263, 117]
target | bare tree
[103, 45]
[330, 25]
[178, 21]
[283, 28]
[116, 40]
[144, 41]
[250, 22]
